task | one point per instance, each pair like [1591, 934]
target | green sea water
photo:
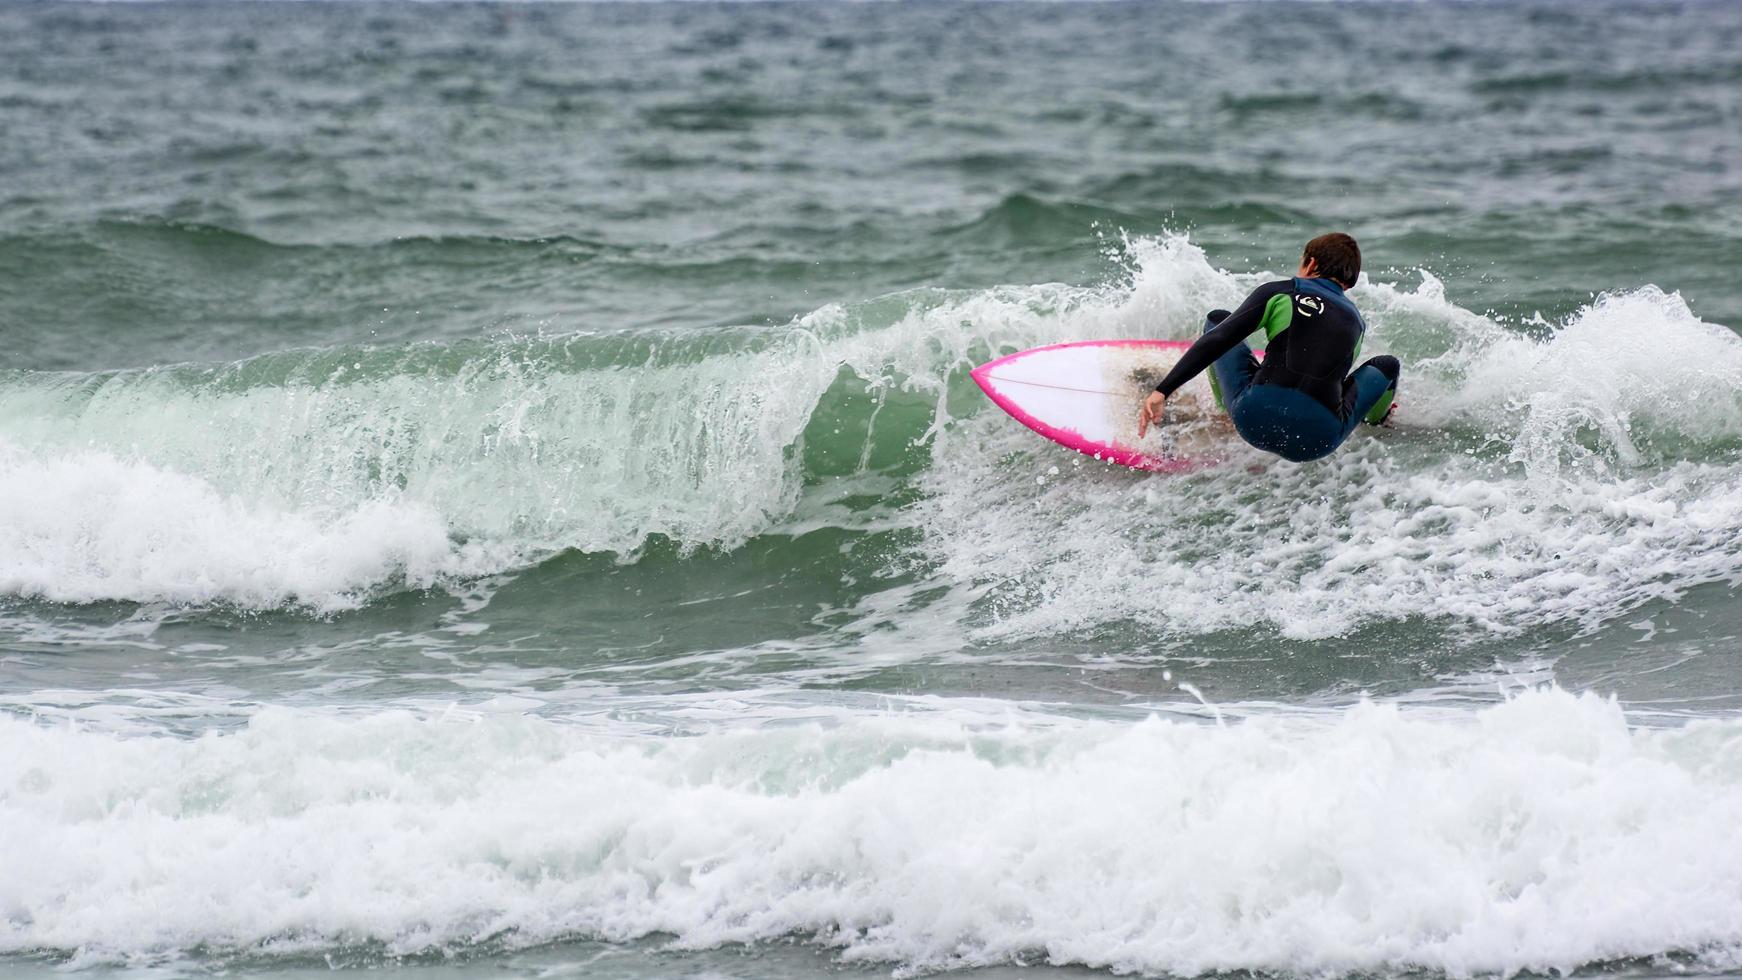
[494, 487]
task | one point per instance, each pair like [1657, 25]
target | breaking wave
[1546, 472]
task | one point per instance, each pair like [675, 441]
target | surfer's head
[1334, 256]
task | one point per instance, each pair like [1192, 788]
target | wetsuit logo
[1309, 305]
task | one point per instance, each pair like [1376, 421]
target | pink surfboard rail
[990, 379]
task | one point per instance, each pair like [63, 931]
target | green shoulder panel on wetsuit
[1278, 314]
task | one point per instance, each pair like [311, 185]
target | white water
[1568, 479]
[1542, 833]
[1561, 479]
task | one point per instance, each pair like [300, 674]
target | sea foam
[1540, 834]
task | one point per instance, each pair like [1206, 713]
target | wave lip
[1541, 834]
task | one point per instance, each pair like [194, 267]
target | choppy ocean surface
[496, 489]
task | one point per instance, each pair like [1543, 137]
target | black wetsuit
[1313, 334]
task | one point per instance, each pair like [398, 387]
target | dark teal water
[497, 487]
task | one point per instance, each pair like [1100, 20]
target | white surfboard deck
[1087, 396]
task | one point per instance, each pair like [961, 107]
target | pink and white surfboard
[1087, 395]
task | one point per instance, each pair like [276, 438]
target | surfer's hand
[1151, 414]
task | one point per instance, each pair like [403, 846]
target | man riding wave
[1301, 402]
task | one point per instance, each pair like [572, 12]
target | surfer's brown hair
[1338, 256]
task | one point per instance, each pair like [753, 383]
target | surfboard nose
[979, 375]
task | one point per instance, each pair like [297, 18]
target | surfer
[1302, 401]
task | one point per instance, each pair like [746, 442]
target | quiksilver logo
[1310, 305]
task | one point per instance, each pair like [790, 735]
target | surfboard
[1086, 396]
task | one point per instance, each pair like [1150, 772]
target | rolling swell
[208, 291]
[1544, 478]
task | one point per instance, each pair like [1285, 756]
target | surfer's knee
[1387, 365]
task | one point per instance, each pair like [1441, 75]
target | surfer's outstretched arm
[1221, 338]
[1218, 340]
